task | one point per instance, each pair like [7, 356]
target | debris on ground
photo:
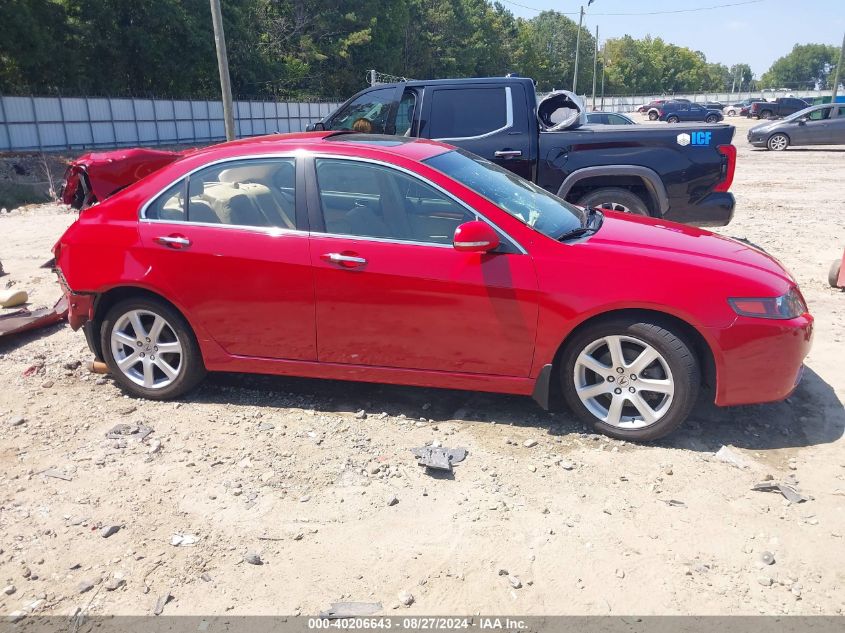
[406, 598]
[338, 610]
[733, 458]
[767, 558]
[183, 540]
[438, 457]
[13, 298]
[515, 582]
[253, 558]
[109, 530]
[791, 493]
[24, 320]
[161, 603]
[136, 431]
[56, 474]
[392, 500]
[674, 502]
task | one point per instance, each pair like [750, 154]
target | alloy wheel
[624, 382]
[146, 349]
[778, 142]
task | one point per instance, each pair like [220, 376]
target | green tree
[807, 66]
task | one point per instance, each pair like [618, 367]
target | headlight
[789, 306]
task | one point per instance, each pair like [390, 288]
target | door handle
[507, 153]
[173, 241]
[347, 261]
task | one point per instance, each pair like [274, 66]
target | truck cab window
[367, 113]
[405, 114]
[467, 112]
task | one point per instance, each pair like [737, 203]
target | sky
[756, 32]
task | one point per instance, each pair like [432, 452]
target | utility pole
[836, 74]
[603, 68]
[577, 50]
[595, 65]
[223, 67]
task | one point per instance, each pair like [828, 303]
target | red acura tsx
[385, 259]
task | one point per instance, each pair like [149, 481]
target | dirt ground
[286, 469]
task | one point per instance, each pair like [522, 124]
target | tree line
[322, 48]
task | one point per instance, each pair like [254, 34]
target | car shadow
[813, 415]
[834, 150]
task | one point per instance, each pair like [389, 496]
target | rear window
[463, 112]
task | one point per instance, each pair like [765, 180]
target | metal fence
[65, 123]
[632, 102]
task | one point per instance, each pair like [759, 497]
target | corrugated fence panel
[61, 123]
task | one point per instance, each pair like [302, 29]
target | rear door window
[469, 112]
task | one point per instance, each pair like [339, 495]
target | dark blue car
[678, 111]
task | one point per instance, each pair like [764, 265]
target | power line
[710, 8]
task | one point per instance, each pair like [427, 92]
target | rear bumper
[762, 360]
[716, 209]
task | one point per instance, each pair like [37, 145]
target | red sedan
[384, 259]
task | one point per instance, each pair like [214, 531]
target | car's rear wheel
[731, 112]
[711, 118]
[766, 114]
[630, 379]
[615, 199]
[652, 116]
[673, 119]
[778, 142]
[150, 349]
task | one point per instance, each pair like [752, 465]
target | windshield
[520, 198]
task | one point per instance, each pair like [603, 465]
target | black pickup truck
[777, 108]
[680, 172]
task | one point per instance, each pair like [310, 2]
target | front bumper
[715, 209]
[762, 360]
[757, 140]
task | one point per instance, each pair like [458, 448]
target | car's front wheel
[150, 349]
[778, 142]
[652, 116]
[630, 379]
[673, 119]
[711, 118]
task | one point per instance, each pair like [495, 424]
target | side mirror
[802, 120]
[475, 237]
[315, 127]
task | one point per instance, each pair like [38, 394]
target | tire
[731, 113]
[833, 273]
[711, 118]
[766, 114]
[675, 367]
[615, 199]
[672, 119]
[778, 142]
[652, 116]
[186, 365]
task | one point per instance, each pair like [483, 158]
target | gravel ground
[287, 470]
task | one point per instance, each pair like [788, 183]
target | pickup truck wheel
[766, 114]
[778, 142]
[150, 349]
[630, 379]
[711, 118]
[615, 199]
[673, 119]
[652, 116]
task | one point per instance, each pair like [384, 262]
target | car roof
[411, 148]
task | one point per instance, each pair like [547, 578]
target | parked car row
[677, 110]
